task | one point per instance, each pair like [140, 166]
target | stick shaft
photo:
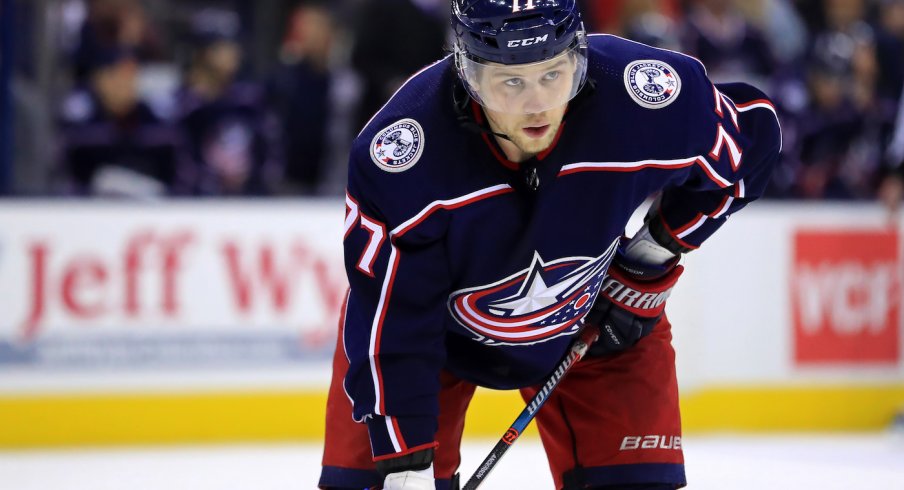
[577, 351]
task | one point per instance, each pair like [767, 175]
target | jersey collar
[496, 150]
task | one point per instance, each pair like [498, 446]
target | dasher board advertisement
[127, 287]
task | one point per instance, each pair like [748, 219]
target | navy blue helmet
[520, 33]
[515, 31]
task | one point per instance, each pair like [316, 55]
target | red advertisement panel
[845, 297]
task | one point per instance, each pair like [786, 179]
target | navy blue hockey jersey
[461, 260]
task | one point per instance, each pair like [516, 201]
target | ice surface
[823, 462]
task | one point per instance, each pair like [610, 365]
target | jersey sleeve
[738, 139]
[394, 324]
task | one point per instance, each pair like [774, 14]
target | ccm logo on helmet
[528, 42]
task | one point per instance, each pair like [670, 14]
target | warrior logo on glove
[631, 302]
[540, 303]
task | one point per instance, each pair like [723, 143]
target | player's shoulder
[651, 78]
[416, 108]
[666, 96]
[653, 94]
[400, 158]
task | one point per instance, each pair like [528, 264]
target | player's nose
[536, 99]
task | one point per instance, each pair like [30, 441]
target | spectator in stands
[830, 132]
[300, 94]
[653, 22]
[603, 16]
[112, 142]
[839, 147]
[891, 62]
[890, 56]
[891, 189]
[890, 67]
[890, 49]
[848, 42]
[631, 18]
[388, 49]
[784, 29]
[117, 24]
[233, 138]
[731, 47]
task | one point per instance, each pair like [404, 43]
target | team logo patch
[398, 147]
[537, 304]
[652, 84]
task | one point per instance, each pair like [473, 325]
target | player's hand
[410, 480]
[631, 302]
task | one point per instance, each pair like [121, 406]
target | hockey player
[485, 211]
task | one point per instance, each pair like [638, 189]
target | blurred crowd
[208, 97]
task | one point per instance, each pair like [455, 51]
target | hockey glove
[631, 302]
[410, 472]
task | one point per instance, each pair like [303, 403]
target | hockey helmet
[520, 56]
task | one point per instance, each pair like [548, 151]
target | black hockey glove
[630, 302]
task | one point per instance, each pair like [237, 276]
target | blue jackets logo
[398, 147]
[537, 304]
[652, 84]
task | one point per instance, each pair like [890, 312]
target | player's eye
[552, 75]
[514, 82]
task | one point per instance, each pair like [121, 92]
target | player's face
[527, 102]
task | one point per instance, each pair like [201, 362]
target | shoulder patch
[652, 84]
[399, 146]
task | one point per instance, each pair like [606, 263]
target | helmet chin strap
[469, 123]
[461, 98]
[490, 131]
[500, 135]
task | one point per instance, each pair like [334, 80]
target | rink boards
[214, 321]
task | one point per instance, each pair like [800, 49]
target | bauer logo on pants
[845, 297]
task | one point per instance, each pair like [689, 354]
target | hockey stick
[587, 338]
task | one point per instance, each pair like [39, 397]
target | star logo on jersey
[537, 304]
[399, 146]
[652, 84]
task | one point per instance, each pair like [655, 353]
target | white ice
[820, 462]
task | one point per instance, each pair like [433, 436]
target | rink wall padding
[213, 321]
[103, 420]
[55, 420]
